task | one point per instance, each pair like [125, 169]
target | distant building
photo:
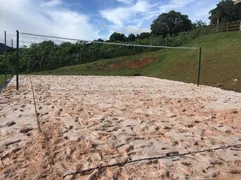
[238, 2]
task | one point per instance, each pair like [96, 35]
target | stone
[123, 159]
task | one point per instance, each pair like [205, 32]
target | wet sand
[92, 121]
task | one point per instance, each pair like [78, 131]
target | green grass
[2, 79]
[221, 63]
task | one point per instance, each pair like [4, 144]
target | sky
[93, 19]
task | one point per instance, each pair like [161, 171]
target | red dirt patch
[132, 64]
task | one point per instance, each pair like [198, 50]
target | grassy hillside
[2, 78]
[221, 63]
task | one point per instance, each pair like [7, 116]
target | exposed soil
[132, 64]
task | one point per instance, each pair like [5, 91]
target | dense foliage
[171, 24]
[48, 55]
[226, 11]
[131, 37]
[117, 37]
[10, 61]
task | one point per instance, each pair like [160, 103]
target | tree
[199, 24]
[131, 37]
[225, 11]
[117, 37]
[100, 40]
[171, 23]
[144, 35]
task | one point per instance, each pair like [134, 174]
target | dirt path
[94, 121]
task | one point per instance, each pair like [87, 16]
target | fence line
[110, 43]
[6, 58]
[225, 27]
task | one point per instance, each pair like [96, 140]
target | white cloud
[139, 15]
[125, 1]
[128, 29]
[116, 16]
[175, 4]
[172, 5]
[135, 30]
[51, 3]
[203, 11]
[130, 19]
[195, 10]
[121, 15]
[55, 17]
[29, 16]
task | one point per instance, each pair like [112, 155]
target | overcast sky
[91, 19]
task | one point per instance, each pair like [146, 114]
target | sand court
[90, 121]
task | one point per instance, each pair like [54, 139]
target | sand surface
[95, 121]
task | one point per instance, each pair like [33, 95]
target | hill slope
[221, 63]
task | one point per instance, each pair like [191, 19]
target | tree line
[169, 29]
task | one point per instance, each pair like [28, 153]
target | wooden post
[217, 28]
[227, 26]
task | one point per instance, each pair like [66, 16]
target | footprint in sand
[26, 130]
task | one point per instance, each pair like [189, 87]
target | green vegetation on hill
[221, 63]
[169, 29]
[2, 78]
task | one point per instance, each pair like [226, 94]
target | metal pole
[12, 71]
[5, 55]
[199, 66]
[17, 64]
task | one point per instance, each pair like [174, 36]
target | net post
[5, 55]
[199, 66]
[17, 63]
